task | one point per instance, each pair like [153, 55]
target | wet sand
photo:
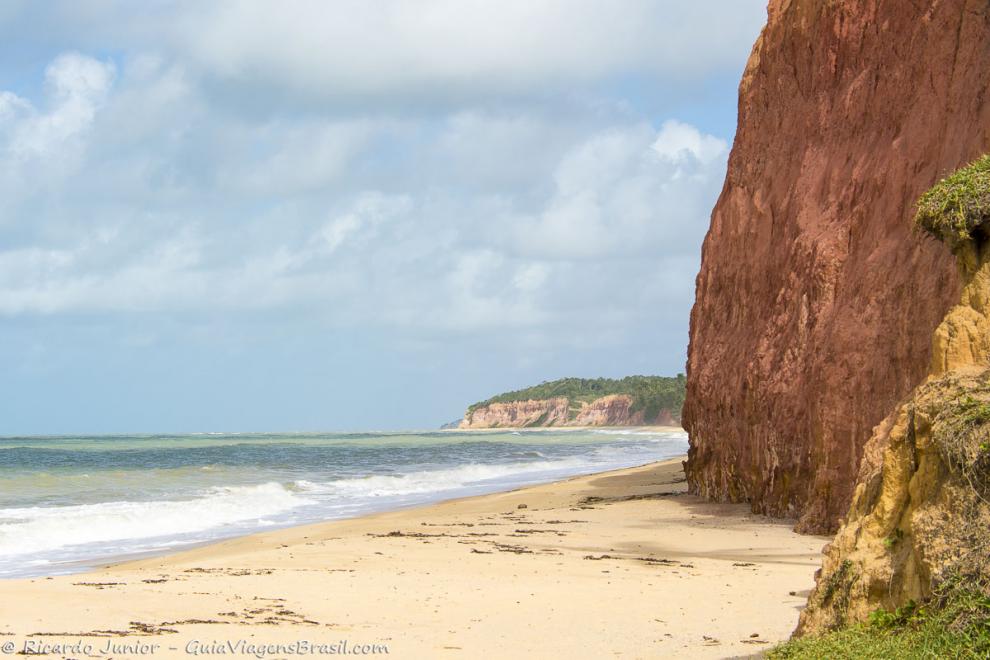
[619, 564]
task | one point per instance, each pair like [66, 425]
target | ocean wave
[429, 481]
[530, 453]
[198, 501]
[671, 435]
[40, 529]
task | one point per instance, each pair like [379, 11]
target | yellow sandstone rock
[920, 512]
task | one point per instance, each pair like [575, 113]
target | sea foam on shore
[68, 503]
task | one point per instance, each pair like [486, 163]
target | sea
[70, 503]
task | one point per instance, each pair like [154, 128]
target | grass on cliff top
[955, 623]
[958, 205]
[651, 394]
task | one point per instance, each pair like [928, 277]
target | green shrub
[954, 623]
[957, 206]
[835, 591]
[895, 537]
[961, 432]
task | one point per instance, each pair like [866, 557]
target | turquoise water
[67, 503]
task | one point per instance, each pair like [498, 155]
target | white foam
[670, 435]
[40, 529]
[429, 481]
[38, 540]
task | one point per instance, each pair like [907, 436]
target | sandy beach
[617, 564]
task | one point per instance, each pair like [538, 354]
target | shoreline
[124, 561]
[646, 567]
[99, 564]
[57, 528]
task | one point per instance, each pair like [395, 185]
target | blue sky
[235, 216]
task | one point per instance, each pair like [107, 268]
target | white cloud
[78, 86]
[11, 105]
[287, 158]
[35, 280]
[531, 276]
[386, 189]
[679, 142]
[419, 258]
[41, 146]
[368, 211]
[151, 187]
[455, 47]
[627, 190]
[354, 47]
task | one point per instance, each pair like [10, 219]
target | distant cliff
[631, 401]
[816, 301]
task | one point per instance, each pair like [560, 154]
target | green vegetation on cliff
[908, 573]
[651, 394]
[957, 205]
[954, 623]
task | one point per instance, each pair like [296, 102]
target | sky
[349, 215]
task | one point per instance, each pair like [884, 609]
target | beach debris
[234, 572]
[522, 506]
[400, 534]
[657, 561]
[91, 633]
[150, 628]
[594, 499]
[517, 549]
[663, 562]
[274, 615]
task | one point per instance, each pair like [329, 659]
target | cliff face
[611, 410]
[543, 412]
[920, 515]
[816, 301]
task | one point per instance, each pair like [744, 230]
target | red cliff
[816, 301]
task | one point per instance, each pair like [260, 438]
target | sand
[619, 564]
